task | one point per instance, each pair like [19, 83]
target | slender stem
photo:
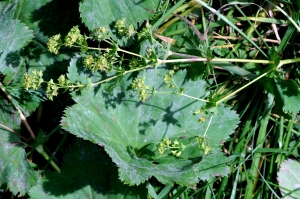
[182, 55]
[208, 125]
[126, 72]
[202, 59]
[134, 54]
[11, 130]
[23, 118]
[243, 87]
[93, 48]
[41, 151]
[57, 148]
[289, 61]
[194, 97]
[279, 123]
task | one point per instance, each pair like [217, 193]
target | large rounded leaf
[97, 14]
[87, 172]
[14, 167]
[289, 179]
[131, 131]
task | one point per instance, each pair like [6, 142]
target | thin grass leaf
[151, 191]
[252, 26]
[286, 38]
[164, 192]
[179, 191]
[233, 26]
[285, 14]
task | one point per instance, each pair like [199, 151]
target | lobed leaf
[95, 14]
[42, 16]
[87, 172]
[131, 131]
[289, 178]
[13, 34]
[287, 94]
[14, 168]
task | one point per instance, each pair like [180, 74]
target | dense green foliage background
[126, 99]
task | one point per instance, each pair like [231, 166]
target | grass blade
[233, 26]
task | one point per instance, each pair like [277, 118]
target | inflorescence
[101, 61]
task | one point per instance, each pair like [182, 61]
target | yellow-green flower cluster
[62, 81]
[100, 34]
[146, 32]
[123, 29]
[203, 145]
[202, 119]
[134, 63]
[168, 78]
[175, 147]
[139, 84]
[73, 36]
[34, 80]
[54, 43]
[52, 89]
[97, 63]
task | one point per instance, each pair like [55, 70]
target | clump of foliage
[155, 99]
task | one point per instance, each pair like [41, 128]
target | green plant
[165, 111]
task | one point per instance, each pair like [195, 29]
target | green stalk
[254, 169]
[41, 151]
[280, 140]
[57, 148]
[243, 87]
[287, 139]
[233, 192]
[241, 146]
[271, 168]
[209, 192]
[289, 61]
[292, 130]
[126, 72]
[218, 60]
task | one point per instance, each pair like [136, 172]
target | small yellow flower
[62, 80]
[73, 36]
[202, 119]
[54, 43]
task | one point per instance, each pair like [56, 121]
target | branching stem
[23, 118]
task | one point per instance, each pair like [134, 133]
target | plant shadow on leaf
[145, 152]
[57, 17]
[112, 100]
[13, 59]
[169, 116]
[146, 124]
[33, 51]
[132, 130]
[54, 70]
[87, 172]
